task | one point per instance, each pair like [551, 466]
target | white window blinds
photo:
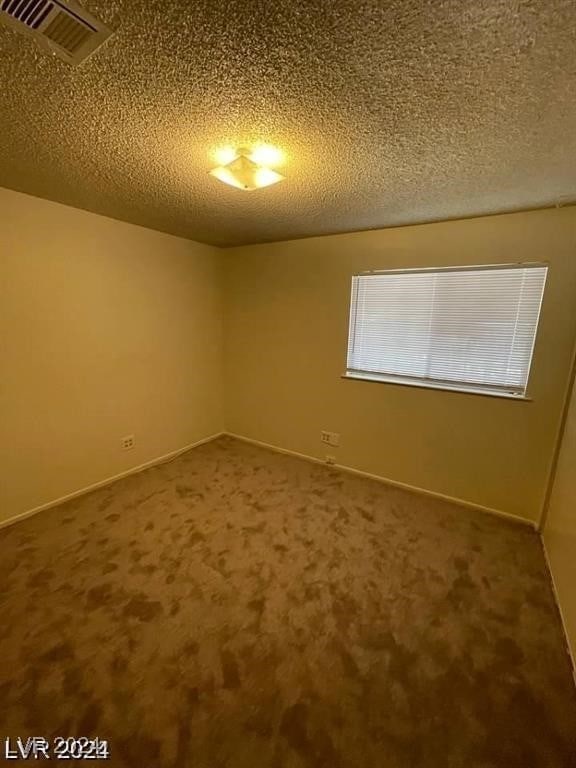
[469, 328]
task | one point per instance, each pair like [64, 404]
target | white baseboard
[109, 480]
[571, 651]
[278, 449]
[388, 481]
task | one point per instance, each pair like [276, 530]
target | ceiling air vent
[65, 29]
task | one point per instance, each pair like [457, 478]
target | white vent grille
[65, 29]
[29, 12]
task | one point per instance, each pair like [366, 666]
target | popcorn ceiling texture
[389, 112]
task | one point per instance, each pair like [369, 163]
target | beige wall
[286, 330]
[106, 329]
[560, 530]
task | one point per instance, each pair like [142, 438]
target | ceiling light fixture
[248, 169]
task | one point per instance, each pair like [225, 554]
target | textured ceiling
[389, 111]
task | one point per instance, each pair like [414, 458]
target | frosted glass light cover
[245, 174]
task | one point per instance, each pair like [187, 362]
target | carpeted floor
[238, 608]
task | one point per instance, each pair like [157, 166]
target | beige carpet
[238, 608]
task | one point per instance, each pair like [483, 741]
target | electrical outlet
[330, 438]
[330, 459]
[128, 442]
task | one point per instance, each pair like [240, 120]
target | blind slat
[474, 327]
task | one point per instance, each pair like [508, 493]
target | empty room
[287, 354]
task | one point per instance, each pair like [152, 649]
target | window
[457, 328]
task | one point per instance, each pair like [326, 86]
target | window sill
[428, 385]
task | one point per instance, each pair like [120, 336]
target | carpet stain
[238, 608]
[143, 609]
[230, 673]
